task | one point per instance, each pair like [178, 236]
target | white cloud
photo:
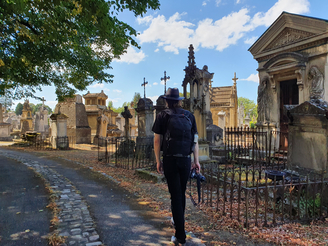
[292, 6]
[114, 100]
[148, 85]
[165, 32]
[156, 50]
[205, 2]
[153, 98]
[253, 77]
[217, 2]
[96, 86]
[106, 89]
[155, 83]
[51, 104]
[162, 82]
[251, 40]
[212, 34]
[117, 91]
[131, 56]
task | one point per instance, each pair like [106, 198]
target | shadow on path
[24, 218]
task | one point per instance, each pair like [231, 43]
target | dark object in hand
[195, 175]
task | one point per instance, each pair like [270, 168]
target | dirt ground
[155, 195]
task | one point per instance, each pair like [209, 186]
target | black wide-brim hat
[173, 94]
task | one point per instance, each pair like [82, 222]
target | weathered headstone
[4, 128]
[126, 115]
[101, 133]
[308, 137]
[41, 120]
[145, 112]
[59, 139]
[26, 118]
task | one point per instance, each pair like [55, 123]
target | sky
[221, 32]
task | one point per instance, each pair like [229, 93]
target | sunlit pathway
[119, 219]
[24, 219]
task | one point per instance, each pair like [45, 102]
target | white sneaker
[176, 242]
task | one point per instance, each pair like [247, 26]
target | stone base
[81, 135]
[204, 154]
[5, 132]
[99, 141]
[6, 139]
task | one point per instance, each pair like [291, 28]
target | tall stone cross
[144, 85]
[165, 79]
[235, 79]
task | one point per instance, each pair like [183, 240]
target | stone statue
[317, 83]
[263, 100]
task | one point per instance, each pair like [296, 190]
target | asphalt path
[120, 219]
[24, 218]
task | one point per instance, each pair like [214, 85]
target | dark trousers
[177, 171]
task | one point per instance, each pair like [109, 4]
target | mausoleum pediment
[287, 37]
[288, 32]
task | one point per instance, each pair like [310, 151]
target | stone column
[59, 130]
[145, 112]
[126, 115]
[1, 117]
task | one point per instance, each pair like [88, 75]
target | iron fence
[45, 143]
[253, 198]
[126, 153]
[255, 147]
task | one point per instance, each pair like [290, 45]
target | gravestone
[41, 120]
[102, 122]
[77, 122]
[59, 131]
[308, 137]
[145, 112]
[241, 115]
[4, 128]
[126, 115]
[26, 118]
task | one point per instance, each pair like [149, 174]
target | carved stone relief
[264, 101]
[288, 36]
[316, 83]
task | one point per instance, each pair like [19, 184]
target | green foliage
[136, 98]
[19, 109]
[250, 107]
[69, 44]
[119, 109]
[181, 94]
[37, 107]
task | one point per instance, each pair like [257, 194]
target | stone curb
[75, 221]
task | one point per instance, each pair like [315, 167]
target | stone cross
[287, 36]
[1, 117]
[165, 78]
[235, 79]
[144, 85]
[126, 115]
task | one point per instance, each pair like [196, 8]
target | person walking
[180, 138]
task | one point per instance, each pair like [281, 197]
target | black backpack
[178, 139]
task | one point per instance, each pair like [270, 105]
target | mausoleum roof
[101, 94]
[222, 94]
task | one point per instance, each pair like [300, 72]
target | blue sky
[220, 30]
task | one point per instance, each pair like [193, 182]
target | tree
[136, 98]
[19, 109]
[249, 107]
[69, 44]
[38, 106]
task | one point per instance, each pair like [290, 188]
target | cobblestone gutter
[75, 221]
